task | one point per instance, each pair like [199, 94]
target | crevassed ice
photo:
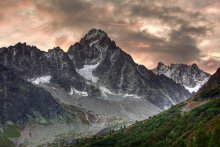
[40, 80]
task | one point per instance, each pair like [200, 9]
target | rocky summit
[189, 76]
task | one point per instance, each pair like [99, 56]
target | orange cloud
[151, 33]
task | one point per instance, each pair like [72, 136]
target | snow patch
[14, 53]
[64, 64]
[132, 95]
[167, 73]
[197, 87]
[94, 42]
[166, 107]
[71, 91]
[106, 90]
[40, 80]
[193, 89]
[87, 71]
[104, 95]
[82, 93]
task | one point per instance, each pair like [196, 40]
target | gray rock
[189, 76]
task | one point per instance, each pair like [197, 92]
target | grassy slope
[199, 127]
[9, 131]
[211, 88]
[208, 91]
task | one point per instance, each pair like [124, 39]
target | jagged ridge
[190, 76]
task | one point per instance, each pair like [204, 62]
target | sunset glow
[151, 31]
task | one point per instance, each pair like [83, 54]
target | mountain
[27, 110]
[20, 100]
[190, 76]
[93, 85]
[102, 63]
[198, 127]
[29, 62]
[195, 122]
[96, 70]
[211, 89]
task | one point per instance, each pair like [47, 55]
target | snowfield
[40, 80]
[82, 93]
[87, 71]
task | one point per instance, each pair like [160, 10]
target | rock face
[98, 59]
[211, 89]
[214, 79]
[20, 100]
[29, 62]
[190, 76]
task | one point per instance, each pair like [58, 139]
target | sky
[170, 31]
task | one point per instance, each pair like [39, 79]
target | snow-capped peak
[189, 76]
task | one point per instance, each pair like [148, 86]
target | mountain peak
[95, 36]
[195, 66]
[21, 44]
[189, 76]
[56, 49]
[160, 64]
[96, 32]
[94, 47]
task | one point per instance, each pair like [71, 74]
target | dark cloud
[152, 31]
[181, 46]
[120, 18]
[73, 14]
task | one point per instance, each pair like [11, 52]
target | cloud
[210, 64]
[151, 31]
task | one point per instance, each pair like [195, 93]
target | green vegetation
[196, 128]
[9, 131]
[209, 92]
[211, 89]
